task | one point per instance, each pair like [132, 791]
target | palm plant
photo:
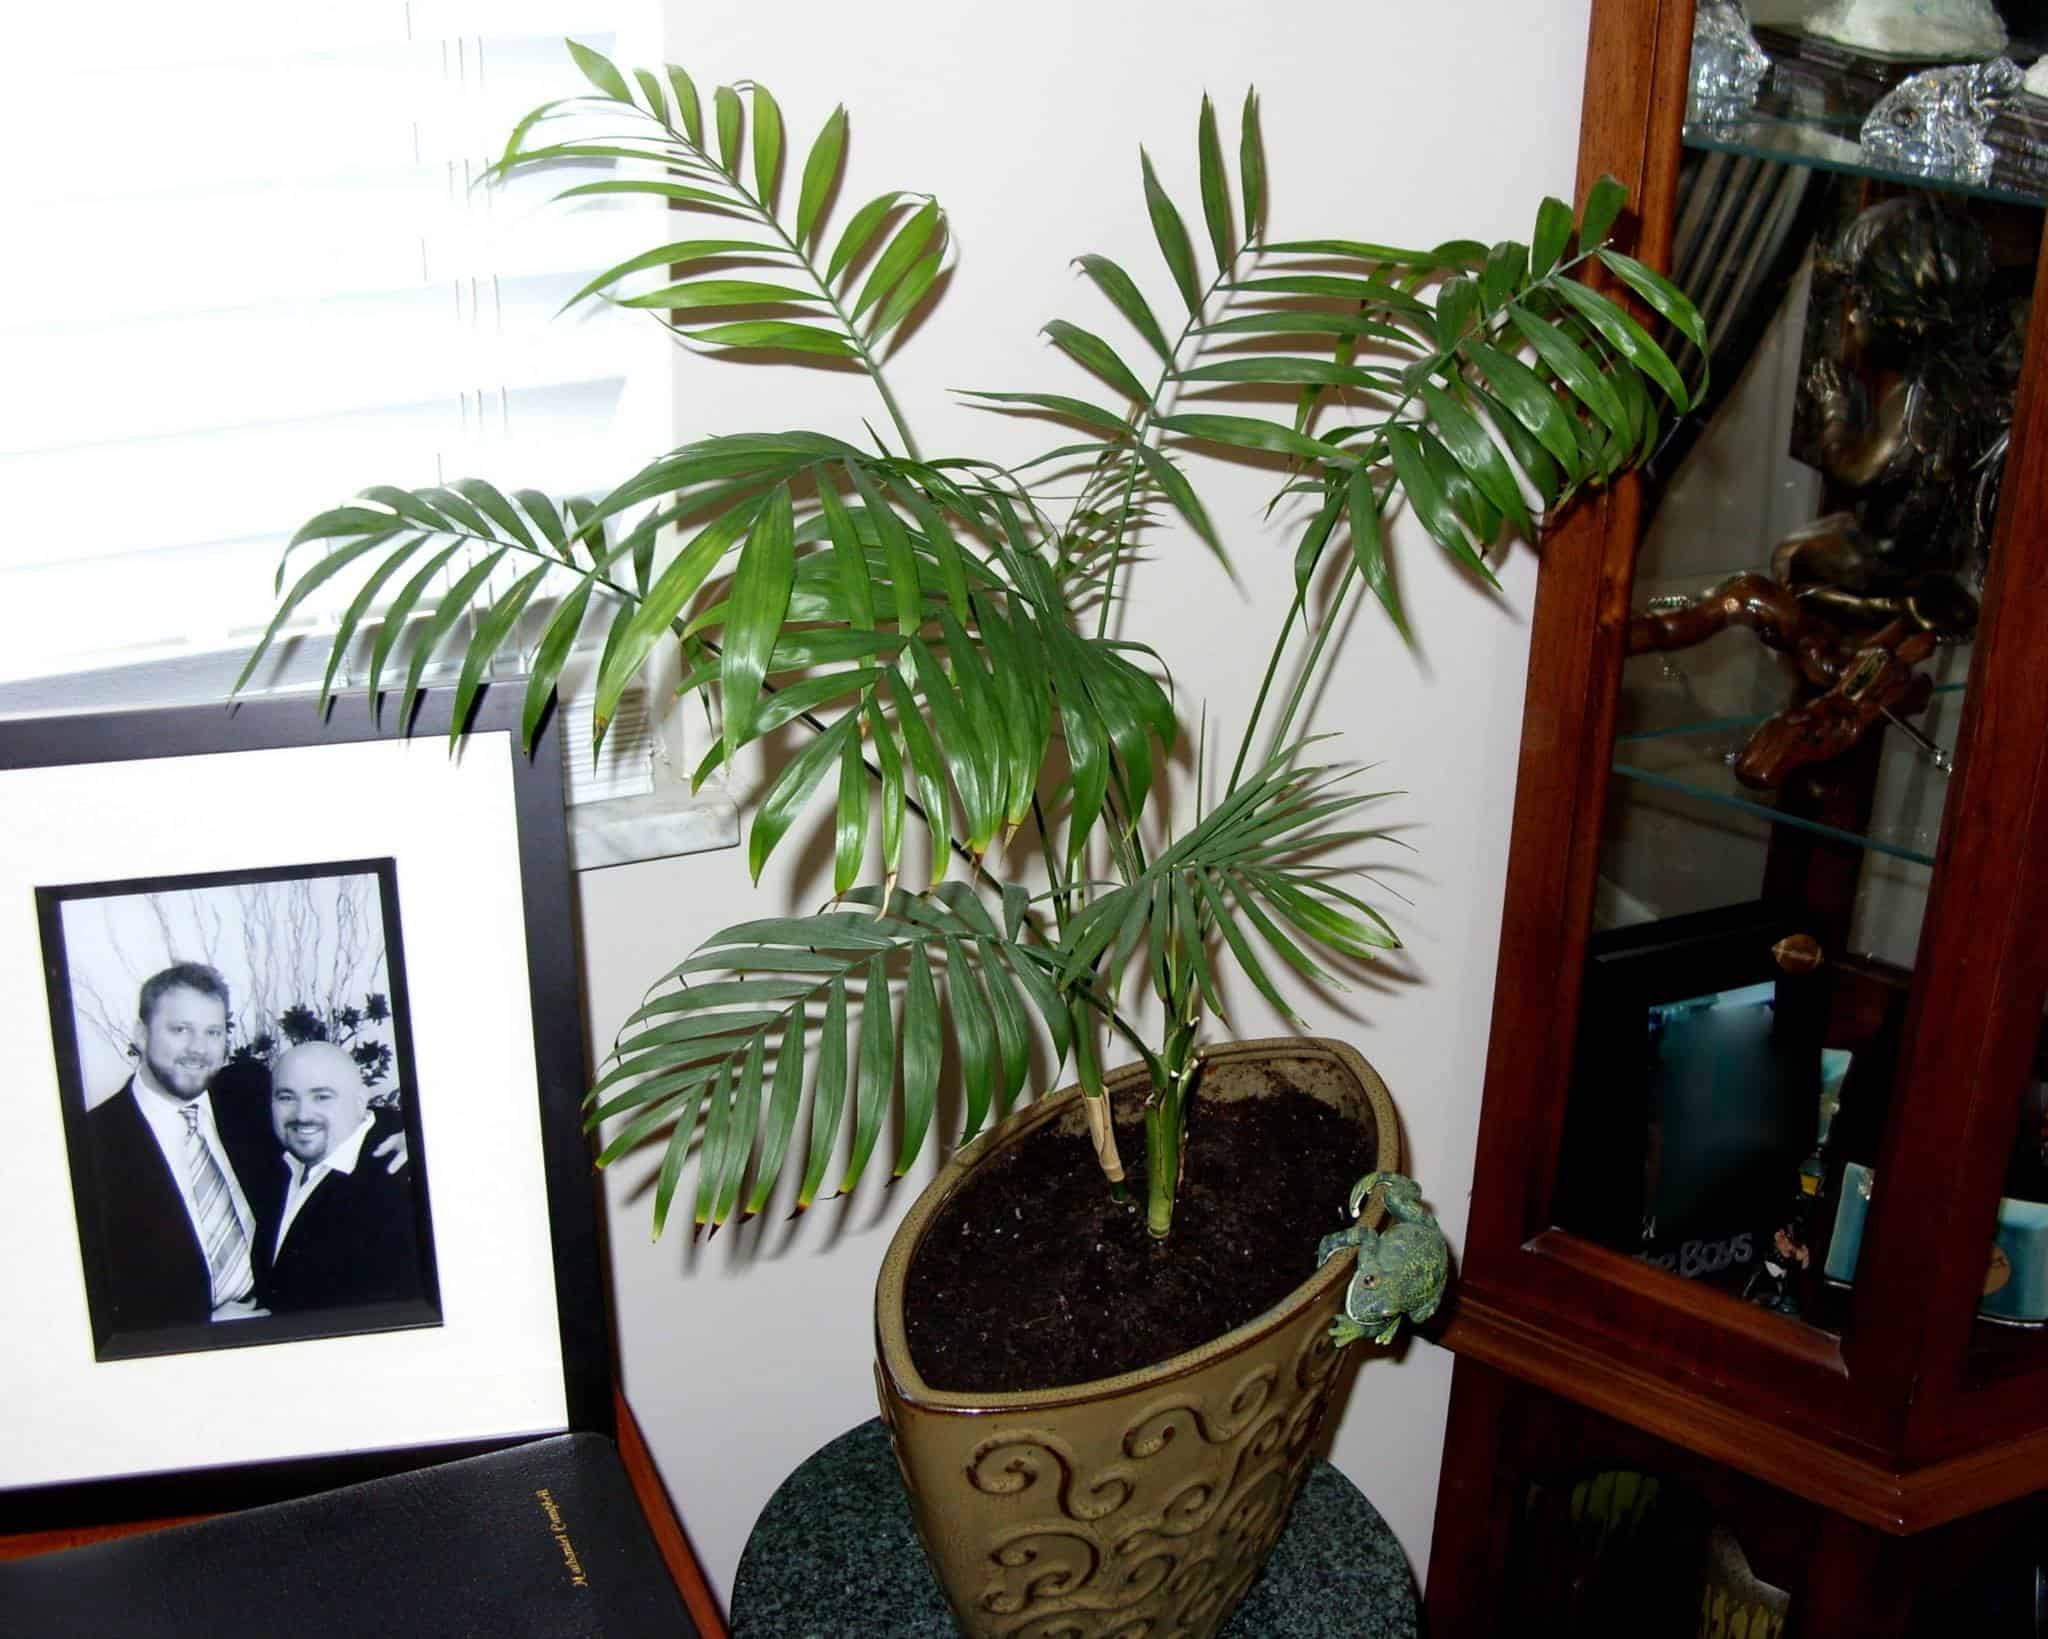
[941, 627]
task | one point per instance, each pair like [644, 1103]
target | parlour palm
[940, 627]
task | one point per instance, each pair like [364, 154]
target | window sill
[603, 831]
[667, 822]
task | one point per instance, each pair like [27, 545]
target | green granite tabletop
[834, 1556]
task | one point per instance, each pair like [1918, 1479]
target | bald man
[333, 1229]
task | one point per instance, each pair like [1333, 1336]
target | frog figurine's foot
[1344, 1330]
[1331, 1245]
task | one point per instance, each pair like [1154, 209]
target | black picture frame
[563, 1165]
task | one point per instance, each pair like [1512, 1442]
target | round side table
[834, 1556]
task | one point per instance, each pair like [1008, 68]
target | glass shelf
[1694, 759]
[1812, 107]
[1814, 144]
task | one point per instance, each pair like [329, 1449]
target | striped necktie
[220, 1227]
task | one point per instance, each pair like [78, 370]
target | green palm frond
[718, 1052]
[1249, 862]
[757, 262]
[1127, 470]
[910, 603]
[1498, 383]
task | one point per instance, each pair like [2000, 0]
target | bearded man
[333, 1230]
[176, 1232]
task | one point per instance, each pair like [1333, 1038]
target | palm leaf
[767, 147]
[1123, 292]
[1091, 352]
[821, 169]
[760, 599]
[1215, 190]
[1172, 235]
[1251, 167]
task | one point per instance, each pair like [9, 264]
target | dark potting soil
[1034, 1278]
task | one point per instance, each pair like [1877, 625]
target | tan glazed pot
[1139, 1506]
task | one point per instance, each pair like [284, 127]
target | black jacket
[355, 1240]
[145, 1267]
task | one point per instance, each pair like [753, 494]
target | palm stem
[1244, 746]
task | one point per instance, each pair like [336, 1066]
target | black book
[540, 1541]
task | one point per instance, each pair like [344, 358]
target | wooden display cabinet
[1872, 1450]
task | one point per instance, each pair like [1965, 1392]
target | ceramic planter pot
[1140, 1506]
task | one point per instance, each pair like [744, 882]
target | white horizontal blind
[251, 272]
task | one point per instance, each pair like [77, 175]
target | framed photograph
[296, 1190]
[241, 1108]
[1696, 1089]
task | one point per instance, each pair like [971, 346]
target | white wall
[1393, 122]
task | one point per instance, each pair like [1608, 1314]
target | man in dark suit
[175, 1230]
[175, 1161]
[334, 1229]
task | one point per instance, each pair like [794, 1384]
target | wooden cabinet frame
[1906, 1424]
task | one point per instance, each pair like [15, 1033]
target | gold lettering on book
[559, 1530]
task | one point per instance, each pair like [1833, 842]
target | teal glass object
[2022, 1239]
[1850, 1213]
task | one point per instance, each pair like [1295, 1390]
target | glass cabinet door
[1805, 602]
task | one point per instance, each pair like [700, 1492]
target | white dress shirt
[341, 1158]
[164, 1114]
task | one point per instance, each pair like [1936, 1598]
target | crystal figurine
[1727, 65]
[1933, 124]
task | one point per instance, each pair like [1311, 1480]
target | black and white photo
[240, 1108]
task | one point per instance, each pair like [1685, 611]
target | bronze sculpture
[1904, 405]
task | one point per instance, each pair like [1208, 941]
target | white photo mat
[494, 1368]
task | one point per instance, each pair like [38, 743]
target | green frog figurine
[1401, 1269]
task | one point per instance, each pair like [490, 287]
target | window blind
[257, 273]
